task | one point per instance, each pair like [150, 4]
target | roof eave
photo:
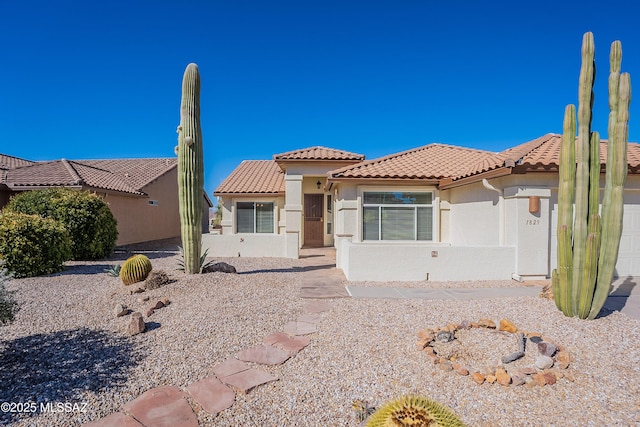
[252, 194]
[448, 183]
[379, 180]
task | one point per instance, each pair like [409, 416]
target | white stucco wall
[419, 261]
[244, 245]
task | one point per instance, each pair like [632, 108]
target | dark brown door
[313, 225]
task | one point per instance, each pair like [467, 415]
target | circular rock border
[550, 366]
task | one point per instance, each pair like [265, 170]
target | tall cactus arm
[590, 272]
[190, 170]
[585, 95]
[565, 271]
[613, 212]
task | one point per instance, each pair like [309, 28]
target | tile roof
[10, 162]
[254, 177]
[433, 161]
[122, 175]
[318, 153]
[547, 155]
[509, 157]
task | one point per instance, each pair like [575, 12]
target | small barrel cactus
[413, 411]
[135, 269]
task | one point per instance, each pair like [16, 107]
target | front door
[313, 225]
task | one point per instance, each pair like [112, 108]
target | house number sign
[533, 222]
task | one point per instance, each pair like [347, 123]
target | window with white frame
[397, 215]
[254, 217]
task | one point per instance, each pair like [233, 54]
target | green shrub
[32, 245]
[8, 305]
[87, 217]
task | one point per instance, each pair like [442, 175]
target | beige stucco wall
[138, 221]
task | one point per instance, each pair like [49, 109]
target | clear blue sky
[102, 79]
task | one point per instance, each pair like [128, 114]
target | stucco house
[141, 193]
[437, 212]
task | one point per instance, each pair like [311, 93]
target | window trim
[435, 212]
[254, 201]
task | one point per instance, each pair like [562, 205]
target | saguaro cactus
[190, 169]
[588, 245]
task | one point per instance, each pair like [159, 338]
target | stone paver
[246, 380]
[286, 342]
[264, 355]
[212, 395]
[162, 406]
[315, 306]
[229, 367]
[117, 419]
[310, 318]
[300, 328]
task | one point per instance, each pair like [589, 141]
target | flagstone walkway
[168, 405]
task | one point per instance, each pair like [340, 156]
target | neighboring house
[436, 212]
[141, 193]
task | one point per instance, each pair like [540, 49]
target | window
[397, 216]
[254, 217]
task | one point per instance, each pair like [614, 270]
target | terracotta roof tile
[318, 153]
[509, 157]
[547, 155]
[123, 175]
[433, 161]
[253, 177]
[10, 162]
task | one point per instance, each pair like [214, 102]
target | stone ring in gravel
[481, 350]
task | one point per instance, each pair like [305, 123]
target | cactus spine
[190, 170]
[588, 244]
[135, 269]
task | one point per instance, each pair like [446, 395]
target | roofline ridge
[17, 158]
[74, 174]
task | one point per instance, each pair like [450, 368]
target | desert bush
[32, 245]
[156, 280]
[87, 217]
[8, 305]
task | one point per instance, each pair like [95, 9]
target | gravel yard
[66, 345]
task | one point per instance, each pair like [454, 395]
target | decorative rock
[503, 377]
[465, 324]
[460, 370]
[547, 348]
[120, 310]
[452, 327]
[425, 334]
[149, 312]
[507, 326]
[544, 362]
[540, 379]
[477, 377]
[422, 344]
[517, 379]
[445, 336]
[549, 378]
[490, 378]
[563, 359]
[141, 299]
[221, 267]
[300, 328]
[535, 339]
[486, 323]
[136, 291]
[136, 324]
[445, 365]
[529, 370]
[430, 351]
[569, 376]
[165, 301]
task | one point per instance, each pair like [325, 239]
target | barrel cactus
[190, 170]
[413, 411]
[135, 269]
[588, 242]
